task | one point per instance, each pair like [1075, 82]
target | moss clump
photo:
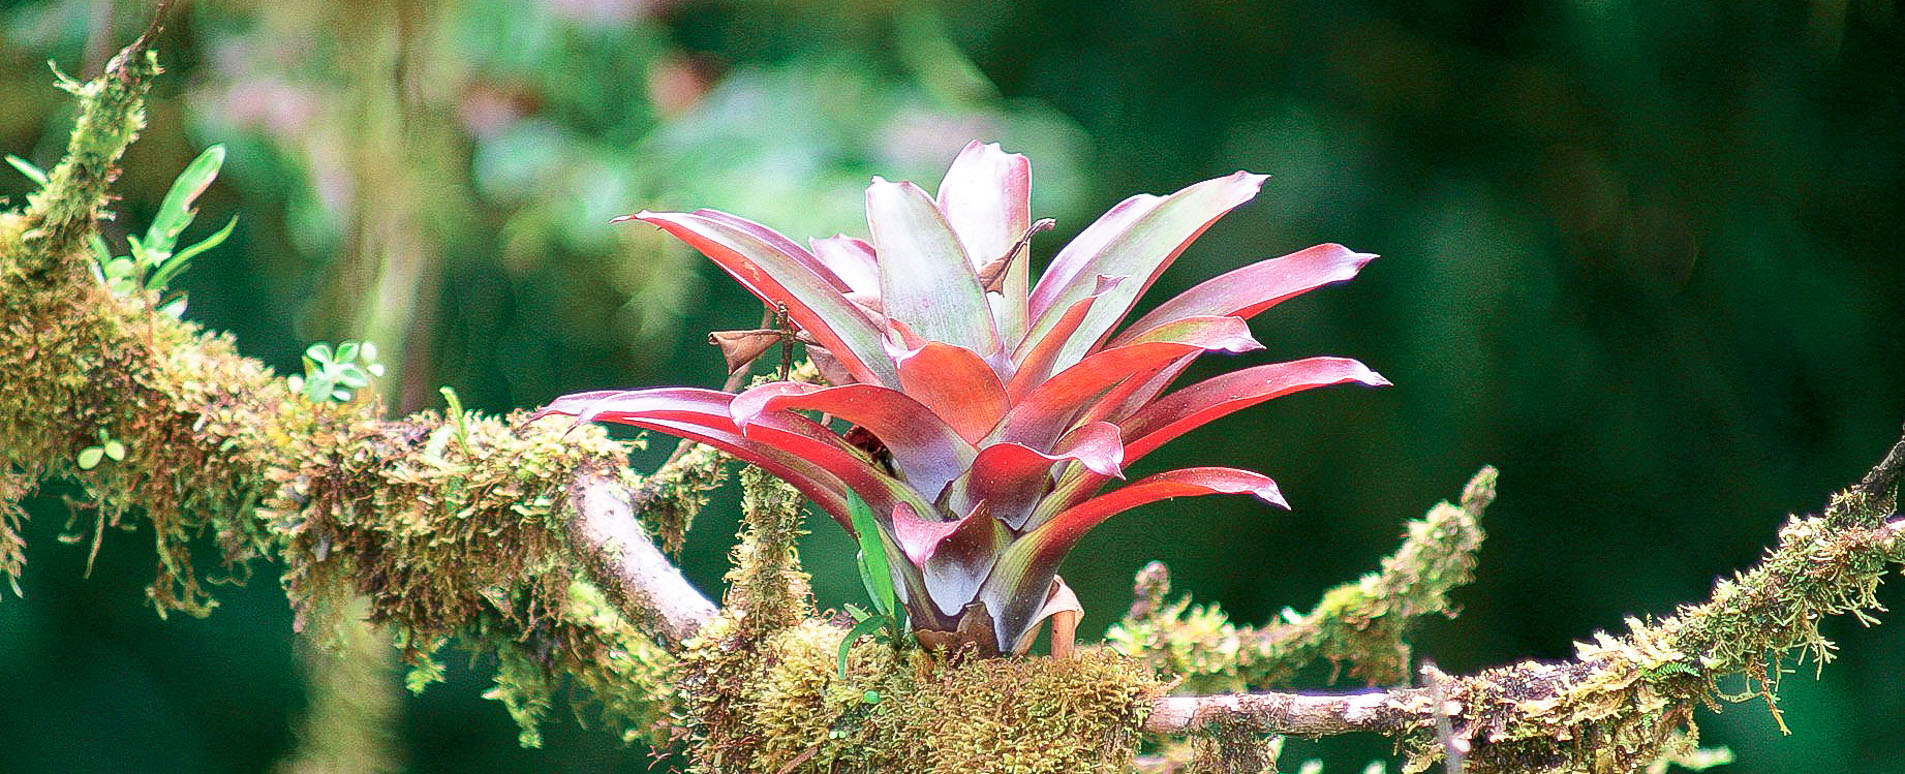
[767, 589]
[780, 706]
[670, 499]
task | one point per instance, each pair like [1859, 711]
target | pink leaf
[926, 280]
[852, 260]
[1141, 249]
[1192, 406]
[987, 198]
[1073, 259]
[703, 419]
[1035, 356]
[1014, 590]
[1013, 478]
[927, 451]
[957, 385]
[1046, 412]
[783, 439]
[954, 557]
[779, 243]
[815, 303]
[1248, 291]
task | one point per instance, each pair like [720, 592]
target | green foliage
[108, 448]
[1361, 624]
[877, 577]
[156, 259]
[337, 375]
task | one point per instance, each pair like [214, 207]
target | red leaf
[1013, 478]
[787, 440]
[959, 386]
[1015, 589]
[1048, 410]
[1192, 406]
[814, 302]
[1248, 291]
[927, 451]
[1034, 357]
[708, 425]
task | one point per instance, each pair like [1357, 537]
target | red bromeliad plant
[1000, 407]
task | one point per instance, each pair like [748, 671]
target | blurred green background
[1640, 255]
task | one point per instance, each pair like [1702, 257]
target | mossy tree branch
[1626, 701]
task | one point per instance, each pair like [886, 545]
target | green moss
[782, 707]
[677, 492]
[1627, 702]
[1358, 625]
[767, 590]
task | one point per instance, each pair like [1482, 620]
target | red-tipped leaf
[814, 302]
[1047, 411]
[1015, 588]
[1248, 291]
[1013, 477]
[987, 198]
[927, 450]
[852, 260]
[1141, 250]
[1180, 411]
[1035, 356]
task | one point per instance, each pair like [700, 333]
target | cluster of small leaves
[155, 260]
[337, 375]
[108, 448]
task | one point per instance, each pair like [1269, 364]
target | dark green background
[1640, 255]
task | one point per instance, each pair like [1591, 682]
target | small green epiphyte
[877, 576]
[337, 374]
[155, 259]
[108, 448]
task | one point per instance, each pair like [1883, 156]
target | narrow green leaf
[90, 456]
[101, 252]
[27, 168]
[142, 255]
[177, 264]
[859, 630]
[175, 212]
[874, 572]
